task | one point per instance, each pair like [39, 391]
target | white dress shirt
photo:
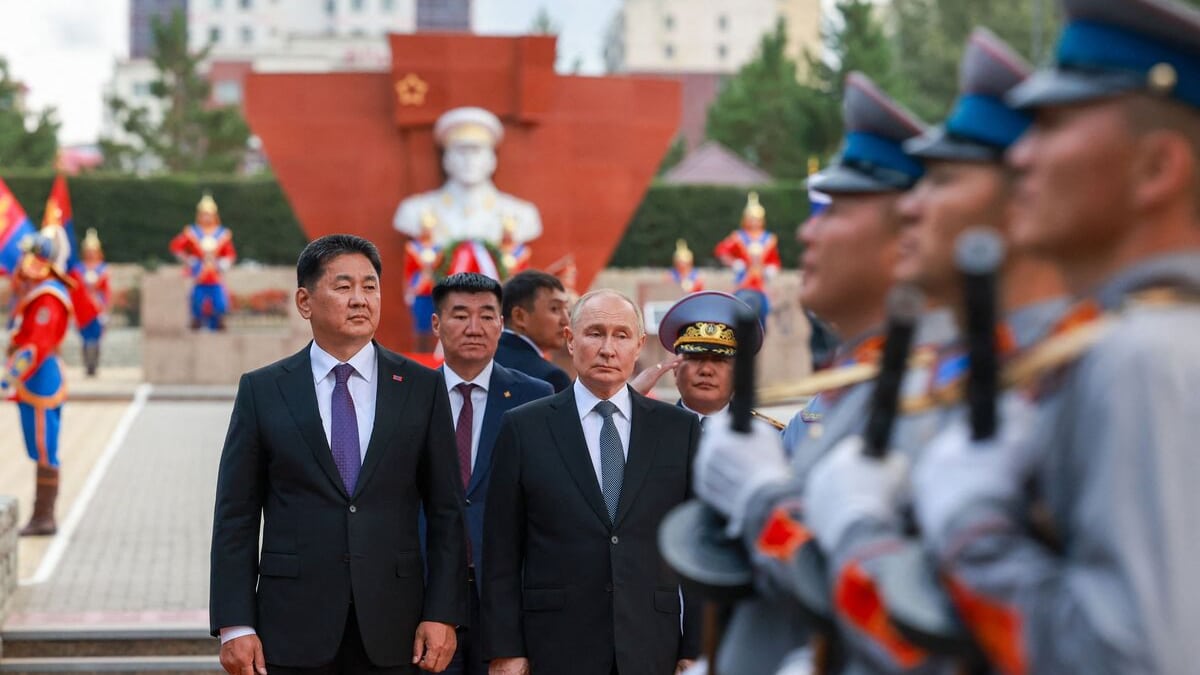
[591, 421]
[479, 397]
[362, 387]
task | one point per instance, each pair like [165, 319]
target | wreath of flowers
[443, 268]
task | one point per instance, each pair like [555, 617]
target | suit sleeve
[441, 493]
[241, 490]
[689, 646]
[503, 547]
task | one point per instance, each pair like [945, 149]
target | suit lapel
[497, 405]
[390, 395]
[572, 447]
[640, 456]
[300, 395]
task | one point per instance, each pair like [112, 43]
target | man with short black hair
[467, 321]
[334, 450]
[535, 316]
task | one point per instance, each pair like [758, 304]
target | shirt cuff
[233, 632]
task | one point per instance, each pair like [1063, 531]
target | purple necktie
[343, 428]
[462, 431]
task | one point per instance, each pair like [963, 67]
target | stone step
[87, 665]
[58, 642]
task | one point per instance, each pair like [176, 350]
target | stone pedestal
[172, 353]
[9, 524]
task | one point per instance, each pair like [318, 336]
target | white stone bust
[468, 205]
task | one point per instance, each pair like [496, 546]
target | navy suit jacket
[515, 353]
[506, 390]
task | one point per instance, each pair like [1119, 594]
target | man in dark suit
[574, 582]
[335, 449]
[467, 322]
[535, 317]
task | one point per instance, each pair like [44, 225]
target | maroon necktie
[462, 432]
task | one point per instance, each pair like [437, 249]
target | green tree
[769, 118]
[932, 34]
[27, 140]
[674, 155]
[189, 135]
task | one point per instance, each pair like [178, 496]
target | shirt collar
[527, 340]
[585, 400]
[722, 411]
[481, 380]
[323, 362]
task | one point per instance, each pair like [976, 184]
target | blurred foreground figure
[1101, 450]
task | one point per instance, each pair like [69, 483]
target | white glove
[955, 472]
[732, 466]
[846, 487]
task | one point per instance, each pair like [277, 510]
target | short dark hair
[313, 259]
[522, 290]
[465, 282]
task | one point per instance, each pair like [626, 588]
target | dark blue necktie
[343, 428]
[612, 459]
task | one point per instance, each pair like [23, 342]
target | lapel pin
[398, 378]
[508, 394]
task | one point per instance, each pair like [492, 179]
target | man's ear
[516, 321]
[303, 300]
[436, 324]
[570, 337]
[1165, 166]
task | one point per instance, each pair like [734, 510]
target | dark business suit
[326, 553]
[515, 353]
[564, 586]
[507, 389]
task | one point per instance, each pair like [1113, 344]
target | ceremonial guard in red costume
[514, 254]
[93, 278]
[33, 374]
[205, 248]
[753, 253]
[683, 269]
[422, 255]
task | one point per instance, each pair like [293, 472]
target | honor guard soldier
[1068, 542]
[851, 248]
[683, 269]
[92, 275]
[33, 373]
[422, 255]
[857, 506]
[205, 248]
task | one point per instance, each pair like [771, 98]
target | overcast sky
[64, 49]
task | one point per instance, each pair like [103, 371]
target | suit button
[346, 558]
[615, 540]
[468, 502]
[353, 509]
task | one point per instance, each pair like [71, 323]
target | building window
[356, 5]
[214, 34]
[141, 89]
[216, 5]
[330, 6]
[669, 52]
[668, 22]
[387, 5]
[246, 4]
[247, 35]
[722, 52]
[722, 22]
[227, 92]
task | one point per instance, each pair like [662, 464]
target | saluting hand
[434, 645]
[243, 656]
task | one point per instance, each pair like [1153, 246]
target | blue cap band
[881, 159]
[1087, 45]
[818, 202]
[985, 119]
